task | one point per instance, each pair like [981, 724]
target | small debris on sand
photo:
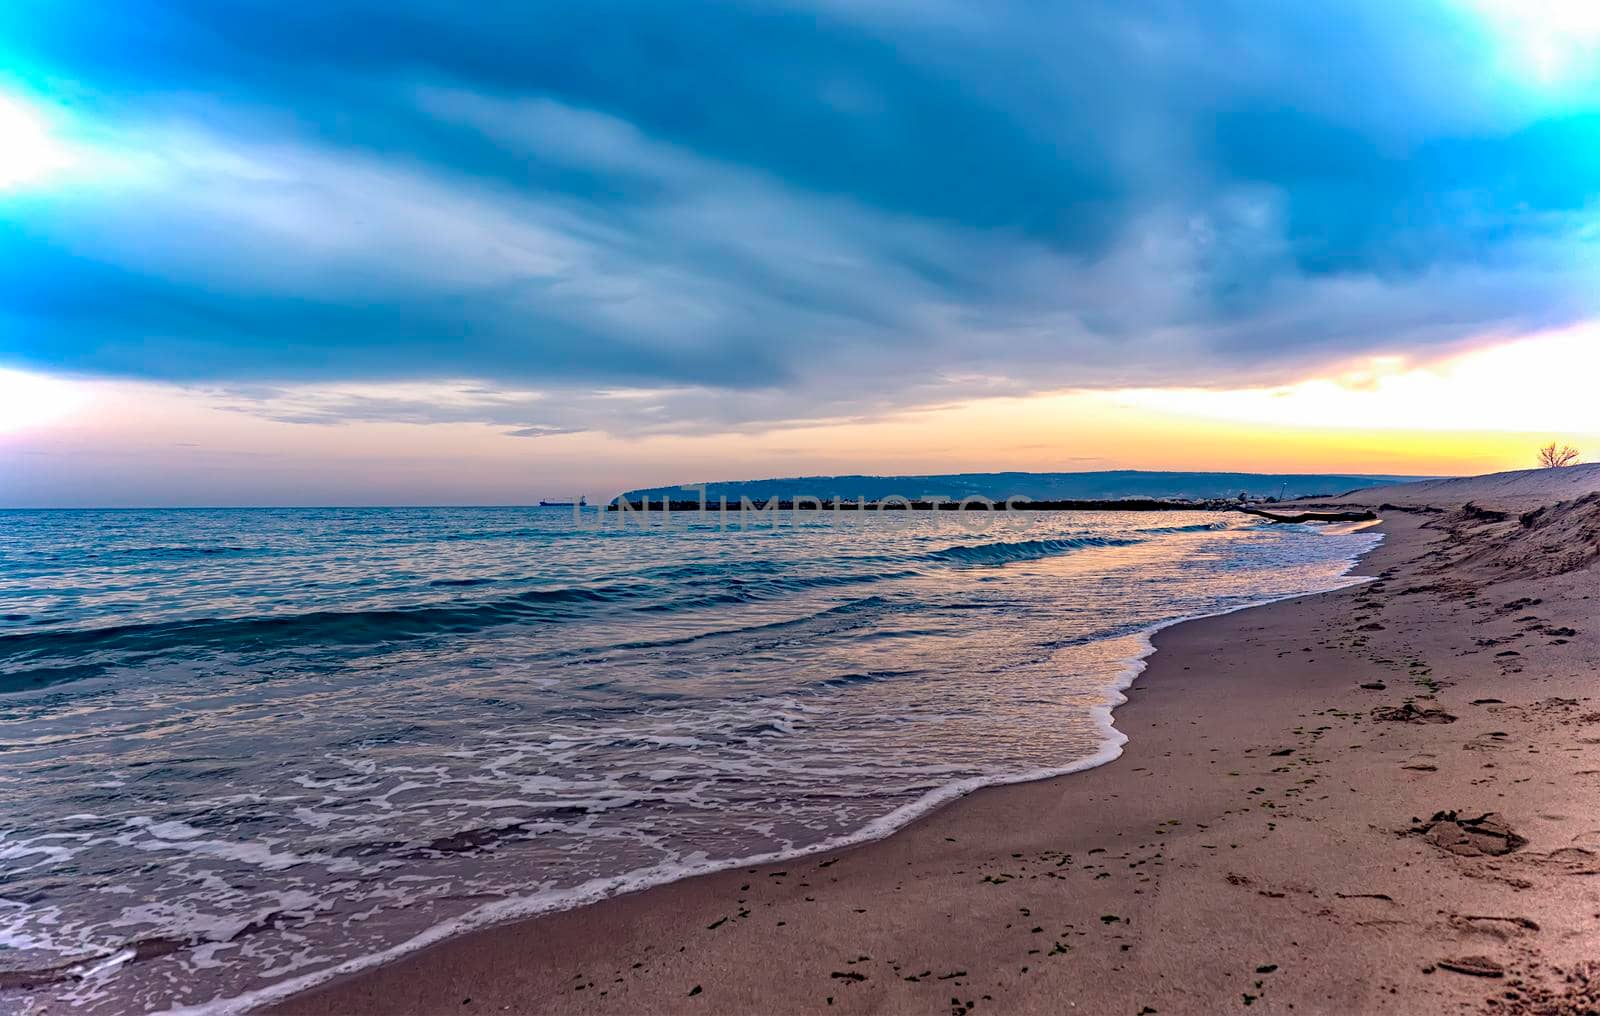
[1410, 713]
[1475, 966]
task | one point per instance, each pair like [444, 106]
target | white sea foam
[317, 808]
[524, 906]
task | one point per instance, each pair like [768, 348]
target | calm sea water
[241, 748]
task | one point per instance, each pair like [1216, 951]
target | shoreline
[277, 999]
[516, 910]
[768, 937]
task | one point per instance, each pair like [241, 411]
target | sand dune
[1519, 490]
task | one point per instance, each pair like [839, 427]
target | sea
[243, 751]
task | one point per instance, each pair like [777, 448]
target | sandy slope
[1385, 799]
[1513, 491]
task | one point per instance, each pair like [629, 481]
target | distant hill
[1120, 483]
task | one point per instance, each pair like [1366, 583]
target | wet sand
[1382, 799]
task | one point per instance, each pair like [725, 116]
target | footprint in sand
[1422, 762]
[1503, 928]
[1569, 861]
[1486, 835]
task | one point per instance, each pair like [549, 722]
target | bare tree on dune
[1554, 456]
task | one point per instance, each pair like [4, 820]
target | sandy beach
[799, 508]
[1382, 799]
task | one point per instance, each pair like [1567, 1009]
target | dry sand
[1382, 799]
[1514, 491]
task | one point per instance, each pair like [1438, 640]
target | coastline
[1057, 892]
[516, 909]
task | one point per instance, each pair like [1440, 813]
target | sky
[420, 251]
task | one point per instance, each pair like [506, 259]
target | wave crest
[1024, 550]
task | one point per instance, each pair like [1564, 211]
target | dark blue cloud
[838, 206]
